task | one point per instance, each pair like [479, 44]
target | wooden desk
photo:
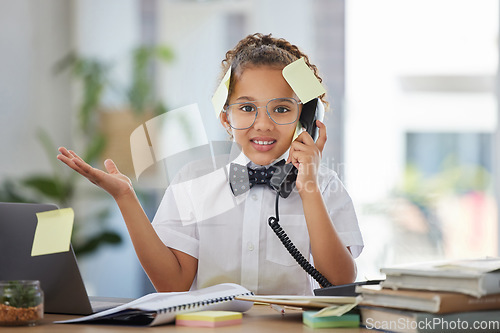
[260, 318]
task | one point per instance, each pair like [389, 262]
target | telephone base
[343, 289]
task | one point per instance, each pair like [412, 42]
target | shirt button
[250, 246]
[254, 197]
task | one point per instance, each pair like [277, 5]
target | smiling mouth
[264, 143]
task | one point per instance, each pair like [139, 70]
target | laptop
[58, 273]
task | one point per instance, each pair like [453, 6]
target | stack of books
[451, 296]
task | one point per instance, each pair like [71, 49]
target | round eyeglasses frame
[267, 111]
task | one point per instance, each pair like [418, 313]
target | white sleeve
[341, 210]
[172, 229]
[193, 197]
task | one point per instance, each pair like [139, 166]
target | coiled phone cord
[292, 249]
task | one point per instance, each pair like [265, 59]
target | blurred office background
[412, 128]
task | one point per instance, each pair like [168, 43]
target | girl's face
[264, 141]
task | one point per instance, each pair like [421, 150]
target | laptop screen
[58, 273]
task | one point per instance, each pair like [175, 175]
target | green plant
[94, 76]
[140, 94]
[19, 295]
[59, 186]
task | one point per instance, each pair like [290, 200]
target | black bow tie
[243, 178]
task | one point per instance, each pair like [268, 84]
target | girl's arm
[168, 269]
[331, 257]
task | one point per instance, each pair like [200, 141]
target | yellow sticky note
[209, 319]
[142, 157]
[298, 130]
[220, 96]
[303, 81]
[210, 315]
[53, 231]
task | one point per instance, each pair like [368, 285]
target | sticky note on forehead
[303, 81]
[220, 96]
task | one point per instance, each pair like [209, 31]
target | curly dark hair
[262, 50]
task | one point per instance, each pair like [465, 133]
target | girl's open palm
[112, 181]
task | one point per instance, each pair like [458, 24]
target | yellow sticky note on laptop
[303, 81]
[53, 231]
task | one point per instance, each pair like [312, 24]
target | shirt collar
[242, 159]
[282, 157]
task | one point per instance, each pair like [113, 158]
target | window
[420, 117]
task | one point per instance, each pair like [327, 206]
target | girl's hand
[112, 181]
[305, 154]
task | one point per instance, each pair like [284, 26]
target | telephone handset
[283, 182]
[284, 177]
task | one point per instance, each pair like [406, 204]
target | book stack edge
[452, 296]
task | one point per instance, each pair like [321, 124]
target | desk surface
[260, 319]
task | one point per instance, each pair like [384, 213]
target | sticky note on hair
[303, 81]
[220, 96]
[53, 232]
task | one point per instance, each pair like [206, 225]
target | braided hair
[262, 50]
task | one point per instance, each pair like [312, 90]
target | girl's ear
[225, 123]
[223, 120]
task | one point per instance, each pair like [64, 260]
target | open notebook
[161, 308]
[58, 273]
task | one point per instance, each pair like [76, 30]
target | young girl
[180, 250]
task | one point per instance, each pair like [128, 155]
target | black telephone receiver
[283, 181]
[284, 177]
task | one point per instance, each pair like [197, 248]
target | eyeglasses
[282, 111]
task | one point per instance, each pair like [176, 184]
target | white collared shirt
[231, 238]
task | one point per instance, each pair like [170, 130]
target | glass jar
[21, 303]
